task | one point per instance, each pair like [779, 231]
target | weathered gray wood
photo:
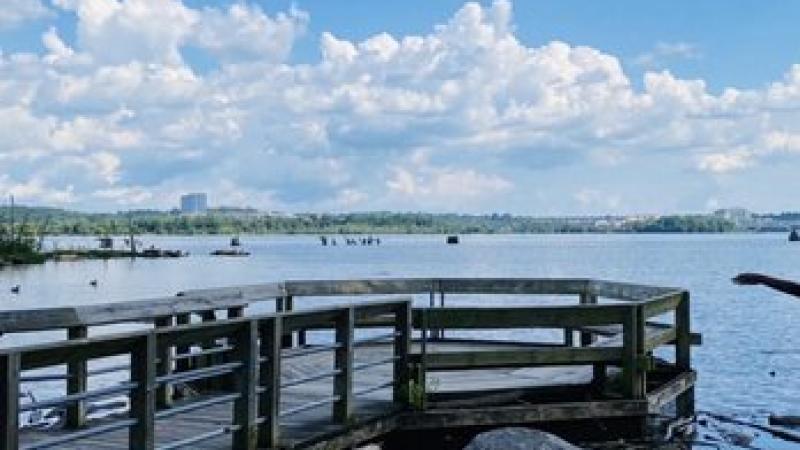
[523, 358]
[42, 355]
[402, 348]
[670, 391]
[626, 291]
[631, 373]
[553, 286]
[523, 317]
[184, 364]
[343, 362]
[164, 366]
[245, 410]
[103, 314]
[9, 400]
[356, 287]
[143, 400]
[511, 415]
[77, 381]
[683, 338]
[270, 380]
[661, 304]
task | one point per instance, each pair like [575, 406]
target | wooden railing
[178, 347]
[254, 361]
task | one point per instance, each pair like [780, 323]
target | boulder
[517, 438]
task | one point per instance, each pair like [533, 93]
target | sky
[537, 108]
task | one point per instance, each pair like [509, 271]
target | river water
[748, 364]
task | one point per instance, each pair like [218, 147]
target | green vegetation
[18, 246]
[232, 221]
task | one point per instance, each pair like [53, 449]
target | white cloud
[465, 116]
[14, 12]
[664, 52]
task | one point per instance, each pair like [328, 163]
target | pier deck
[372, 368]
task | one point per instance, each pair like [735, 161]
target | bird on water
[15, 289]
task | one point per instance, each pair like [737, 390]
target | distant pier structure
[391, 365]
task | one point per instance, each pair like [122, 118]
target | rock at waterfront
[518, 439]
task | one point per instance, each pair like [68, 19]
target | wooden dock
[333, 377]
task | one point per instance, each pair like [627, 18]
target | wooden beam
[553, 356]
[141, 435]
[77, 381]
[521, 415]
[522, 317]
[270, 380]
[670, 390]
[343, 362]
[402, 348]
[9, 400]
[245, 411]
[164, 367]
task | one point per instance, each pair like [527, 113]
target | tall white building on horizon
[194, 203]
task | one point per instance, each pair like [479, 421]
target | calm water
[748, 332]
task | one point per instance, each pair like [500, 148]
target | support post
[164, 366]
[270, 380]
[683, 353]
[141, 435]
[587, 339]
[631, 372]
[77, 380]
[9, 401]
[246, 351]
[208, 360]
[402, 348]
[343, 381]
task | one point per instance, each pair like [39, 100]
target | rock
[518, 439]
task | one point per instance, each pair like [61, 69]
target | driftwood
[777, 432]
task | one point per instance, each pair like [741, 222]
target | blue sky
[567, 107]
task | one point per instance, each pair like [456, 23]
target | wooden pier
[378, 358]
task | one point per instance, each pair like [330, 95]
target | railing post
[343, 381]
[244, 408]
[683, 353]
[183, 364]
[9, 401]
[402, 348]
[587, 339]
[633, 376]
[208, 360]
[77, 379]
[270, 381]
[164, 366]
[285, 304]
[141, 435]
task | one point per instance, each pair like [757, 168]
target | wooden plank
[323, 288]
[661, 304]
[183, 364]
[102, 314]
[78, 378]
[343, 362]
[9, 400]
[522, 317]
[657, 337]
[554, 286]
[270, 379]
[402, 349]
[626, 291]
[631, 374]
[463, 360]
[683, 339]
[54, 353]
[141, 436]
[164, 366]
[249, 293]
[521, 415]
[245, 410]
[670, 390]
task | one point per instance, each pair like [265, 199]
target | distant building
[195, 203]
